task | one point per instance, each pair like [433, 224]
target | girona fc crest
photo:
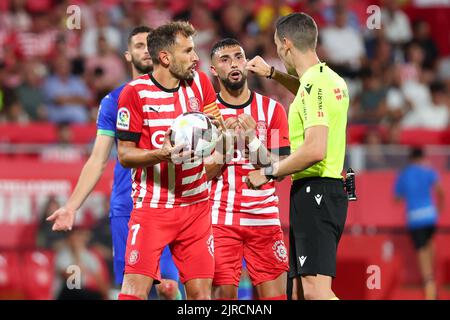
[261, 130]
[280, 252]
[210, 244]
[194, 104]
[133, 258]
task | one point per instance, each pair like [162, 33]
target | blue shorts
[119, 231]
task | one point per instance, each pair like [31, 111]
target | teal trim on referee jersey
[108, 133]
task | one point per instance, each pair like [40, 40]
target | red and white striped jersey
[146, 111]
[233, 203]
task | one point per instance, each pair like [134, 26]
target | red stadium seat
[10, 276]
[38, 274]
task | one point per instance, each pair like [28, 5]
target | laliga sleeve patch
[123, 119]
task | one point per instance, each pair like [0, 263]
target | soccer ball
[196, 131]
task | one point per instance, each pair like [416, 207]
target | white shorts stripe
[199, 189]
[260, 222]
[258, 193]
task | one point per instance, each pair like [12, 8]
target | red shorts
[262, 248]
[187, 230]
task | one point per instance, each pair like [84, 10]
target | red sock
[282, 297]
[128, 297]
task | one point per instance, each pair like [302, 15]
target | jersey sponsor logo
[210, 244]
[157, 138]
[194, 104]
[308, 88]
[133, 258]
[318, 198]
[320, 103]
[302, 260]
[279, 250]
[123, 119]
[337, 93]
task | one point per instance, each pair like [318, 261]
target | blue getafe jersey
[415, 184]
[121, 203]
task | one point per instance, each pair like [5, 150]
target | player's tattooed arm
[260, 67]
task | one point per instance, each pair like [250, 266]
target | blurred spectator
[397, 103]
[343, 45]
[67, 95]
[158, 14]
[415, 185]
[37, 41]
[370, 105]
[414, 59]
[89, 40]
[332, 10]
[16, 18]
[395, 23]
[63, 150]
[30, 93]
[423, 38]
[75, 253]
[46, 238]
[105, 70]
[268, 12]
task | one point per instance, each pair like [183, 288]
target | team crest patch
[194, 104]
[133, 258]
[261, 130]
[280, 252]
[123, 119]
[210, 244]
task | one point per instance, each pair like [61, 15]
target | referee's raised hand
[62, 219]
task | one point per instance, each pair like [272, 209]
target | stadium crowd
[48, 72]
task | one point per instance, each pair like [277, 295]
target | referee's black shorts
[318, 211]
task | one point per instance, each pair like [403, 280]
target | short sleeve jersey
[322, 100]
[146, 111]
[233, 203]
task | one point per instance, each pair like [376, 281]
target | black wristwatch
[268, 172]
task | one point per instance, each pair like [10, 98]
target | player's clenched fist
[62, 219]
[258, 66]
